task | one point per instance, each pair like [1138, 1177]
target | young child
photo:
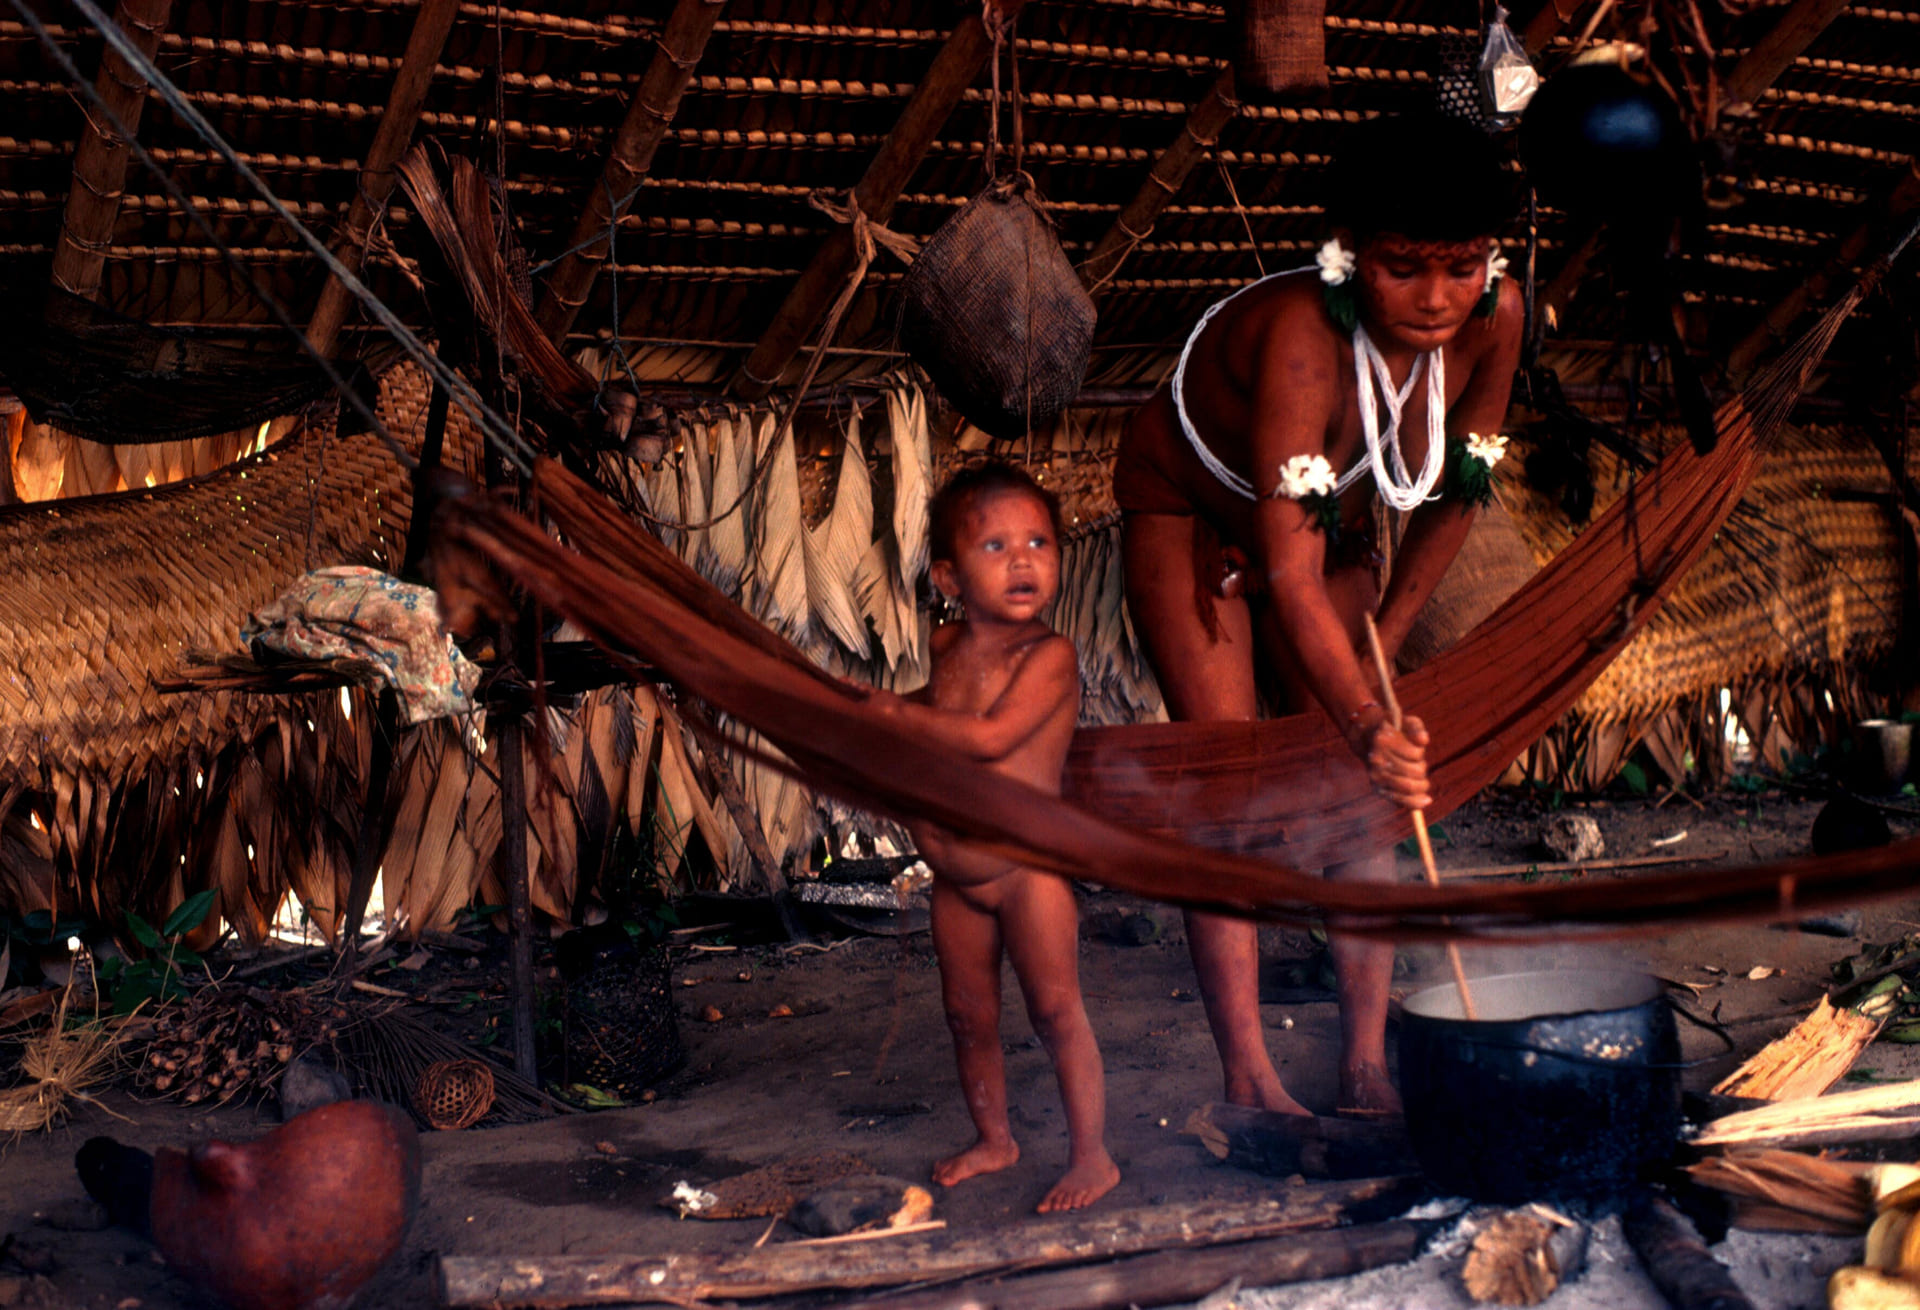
[1005, 690]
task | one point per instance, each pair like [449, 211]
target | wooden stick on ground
[1050, 1241]
[1419, 816]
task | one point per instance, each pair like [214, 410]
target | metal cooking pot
[1568, 1084]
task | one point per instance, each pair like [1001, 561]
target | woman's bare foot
[1366, 1090]
[983, 1157]
[1264, 1092]
[1083, 1185]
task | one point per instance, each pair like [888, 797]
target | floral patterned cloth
[362, 613]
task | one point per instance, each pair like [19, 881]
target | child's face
[1006, 561]
[1419, 294]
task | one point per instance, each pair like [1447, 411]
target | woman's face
[1418, 294]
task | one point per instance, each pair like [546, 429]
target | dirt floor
[864, 1065]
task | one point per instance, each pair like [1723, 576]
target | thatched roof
[788, 97]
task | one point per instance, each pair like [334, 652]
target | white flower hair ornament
[1336, 262]
[1496, 269]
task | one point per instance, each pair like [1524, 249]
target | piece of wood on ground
[1181, 1276]
[1511, 1261]
[1677, 1260]
[553, 1282]
[1785, 1190]
[1814, 1056]
[1282, 1144]
[774, 1188]
[1870, 1114]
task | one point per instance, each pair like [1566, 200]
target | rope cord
[513, 446]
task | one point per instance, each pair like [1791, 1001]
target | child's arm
[1436, 531]
[1047, 678]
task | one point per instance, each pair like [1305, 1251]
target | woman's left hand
[1397, 763]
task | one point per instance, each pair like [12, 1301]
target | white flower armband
[1470, 467]
[1310, 480]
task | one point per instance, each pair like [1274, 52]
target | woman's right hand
[1397, 762]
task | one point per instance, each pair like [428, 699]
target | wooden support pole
[676, 52]
[933, 100]
[1181, 1276]
[1788, 39]
[1205, 121]
[421, 515]
[1546, 23]
[372, 838]
[513, 869]
[100, 159]
[720, 778]
[780, 1270]
[1773, 330]
[430, 28]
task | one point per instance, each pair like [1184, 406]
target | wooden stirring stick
[1419, 816]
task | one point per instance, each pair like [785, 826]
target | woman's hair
[1424, 176]
[986, 478]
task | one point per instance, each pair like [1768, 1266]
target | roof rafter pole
[934, 99]
[430, 28]
[1761, 66]
[1900, 204]
[1546, 24]
[676, 52]
[1205, 121]
[100, 158]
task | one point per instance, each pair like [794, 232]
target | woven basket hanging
[996, 315]
[1280, 46]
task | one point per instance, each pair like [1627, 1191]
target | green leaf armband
[1470, 468]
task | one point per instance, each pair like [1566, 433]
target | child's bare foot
[1264, 1093]
[983, 1157]
[1083, 1185]
[1365, 1090]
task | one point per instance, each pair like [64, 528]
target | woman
[1384, 371]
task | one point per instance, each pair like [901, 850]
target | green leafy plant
[157, 977]
[1635, 777]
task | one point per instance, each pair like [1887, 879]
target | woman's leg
[1206, 677]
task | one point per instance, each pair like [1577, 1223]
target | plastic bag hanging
[1507, 76]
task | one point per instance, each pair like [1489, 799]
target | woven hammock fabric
[90, 372]
[627, 591]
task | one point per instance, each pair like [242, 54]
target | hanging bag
[992, 309]
[996, 315]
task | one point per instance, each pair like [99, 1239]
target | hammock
[1285, 786]
[90, 372]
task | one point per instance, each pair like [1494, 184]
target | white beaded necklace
[1398, 488]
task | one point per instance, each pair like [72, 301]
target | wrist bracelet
[1362, 708]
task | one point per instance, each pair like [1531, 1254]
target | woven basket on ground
[454, 1094]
